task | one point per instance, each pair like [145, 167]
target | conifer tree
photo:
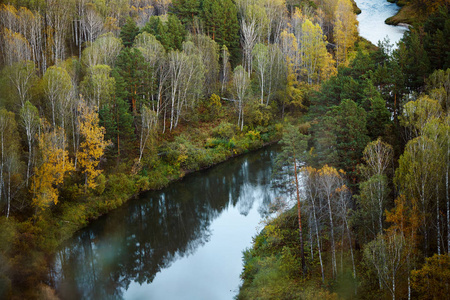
[128, 32]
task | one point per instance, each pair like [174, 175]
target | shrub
[225, 131]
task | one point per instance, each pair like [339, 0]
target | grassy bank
[406, 15]
[411, 13]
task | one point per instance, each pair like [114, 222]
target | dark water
[183, 242]
[371, 21]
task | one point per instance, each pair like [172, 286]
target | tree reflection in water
[135, 242]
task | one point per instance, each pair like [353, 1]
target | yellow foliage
[50, 173]
[345, 30]
[329, 171]
[432, 281]
[93, 145]
[214, 101]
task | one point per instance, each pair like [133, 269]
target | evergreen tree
[436, 39]
[341, 136]
[186, 10]
[293, 153]
[115, 117]
[128, 32]
[221, 23]
[170, 34]
[132, 69]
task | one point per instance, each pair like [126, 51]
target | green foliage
[259, 114]
[437, 35]
[414, 59]
[341, 136]
[186, 10]
[120, 186]
[378, 118]
[118, 122]
[214, 108]
[132, 78]
[271, 266]
[184, 154]
[128, 32]
[100, 184]
[225, 131]
[221, 24]
[170, 34]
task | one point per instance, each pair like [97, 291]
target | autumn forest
[101, 100]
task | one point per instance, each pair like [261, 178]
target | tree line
[368, 168]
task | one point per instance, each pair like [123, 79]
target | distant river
[371, 21]
[183, 242]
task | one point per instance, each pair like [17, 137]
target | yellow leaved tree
[93, 145]
[49, 175]
[345, 30]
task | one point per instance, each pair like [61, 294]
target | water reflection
[135, 243]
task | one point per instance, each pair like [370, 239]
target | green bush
[225, 131]
[120, 185]
[101, 184]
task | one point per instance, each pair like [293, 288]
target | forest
[101, 100]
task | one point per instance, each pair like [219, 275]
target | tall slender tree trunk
[351, 248]
[318, 241]
[302, 253]
[447, 197]
[333, 247]
[438, 219]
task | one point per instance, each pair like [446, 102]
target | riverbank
[173, 156]
[406, 14]
[409, 13]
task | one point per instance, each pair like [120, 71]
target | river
[183, 242]
[371, 21]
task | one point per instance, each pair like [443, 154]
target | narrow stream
[371, 21]
[183, 242]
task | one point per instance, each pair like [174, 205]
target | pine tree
[128, 32]
[186, 10]
[221, 24]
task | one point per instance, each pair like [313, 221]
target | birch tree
[225, 74]
[248, 40]
[154, 54]
[374, 189]
[9, 160]
[22, 76]
[329, 181]
[98, 85]
[261, 66]
[57, 17]
[148, 128]
[103, 51]
[30, 121]
[310, 189]
[91, 23]
[177, 66]
[241, 84]
[57, 86]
